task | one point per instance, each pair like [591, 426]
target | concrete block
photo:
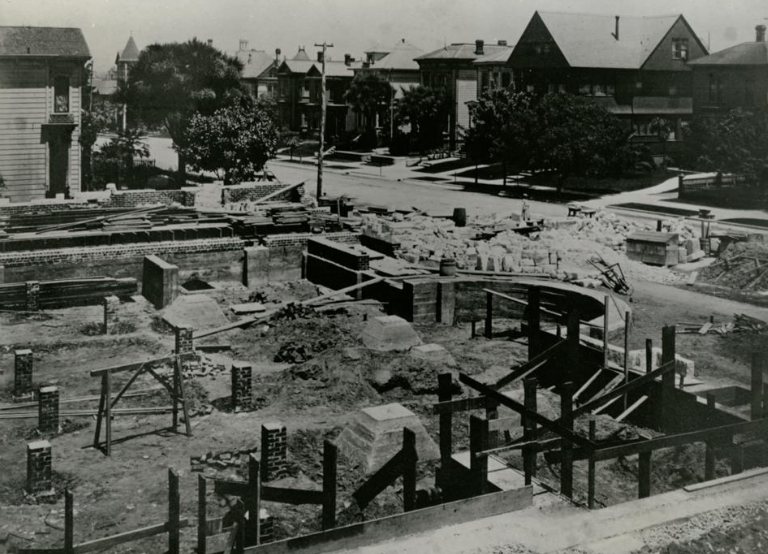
[433, 353]
[376, 434]
[388, 333]
[159, 282]
[255, 266]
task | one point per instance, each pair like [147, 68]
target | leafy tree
[577, 137]
[115, 159]
[172, 82]
[235, 141]
[425, 110]
[503, 128]
[92, 122]
[662, 129]
[368, 93]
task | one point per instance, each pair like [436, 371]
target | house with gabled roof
[259, 73]
[736, 77]
[452, 70]
[636, 67]
[42, 73]
[493, 70]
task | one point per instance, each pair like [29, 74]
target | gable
[662, 56]
[537, 47]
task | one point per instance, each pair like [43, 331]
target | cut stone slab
[434, 353]
[389, 332]
[198, 310]
[376, 434]
[248, 308]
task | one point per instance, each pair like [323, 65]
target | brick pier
[274, 447]
[22, 376]
[39, 475]
[242, 399]
[48, 410]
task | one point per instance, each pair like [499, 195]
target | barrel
[460, 217]
[447, 267]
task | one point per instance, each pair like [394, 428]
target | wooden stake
[174, 512]
[478, 433]
[626, 355]
[252, 503]
[108, 410]
[592, 467]
[99, 414]
[666, 421]
[644, 474]
[648, 355]
[572, 345]
[529, 429]
[566, 462]
[409, 469]
[605, 330]
[488, 315]
[202, 514]
[330, 457]
[445, 394]
[534, 321]
[178, 369]
[69, 523]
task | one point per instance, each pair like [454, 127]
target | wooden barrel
[460, 217]
[447, 267]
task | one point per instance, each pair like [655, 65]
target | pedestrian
[524, 214]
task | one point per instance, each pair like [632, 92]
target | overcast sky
[351, 25]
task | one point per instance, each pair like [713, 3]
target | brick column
[48, 410]
[22, 377]
[39, 467]
[241, 386]
[184, 340]
[111, 317]
[274, 446]
[33, 295]
[266, 527]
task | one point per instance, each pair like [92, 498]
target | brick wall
[39, 474]
[131, 198]
[300, 239]
[341, 254]
[274, 448]
[242, 399]
[184, 339]
[256, 191]
[22, 375]
[48, 410]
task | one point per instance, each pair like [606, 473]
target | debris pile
[742, 265]
[221, 460]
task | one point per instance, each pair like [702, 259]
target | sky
[353, 26]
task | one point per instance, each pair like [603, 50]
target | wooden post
[100, 415]
[758, 362]
[492, 412]
[409, 470]
[69, 522]
[648, 355]
[709, 453]
[445, 394]
[534, 321]
[108, 410]
[478, 442]
[239, 531]
[330, 457]
[175, 400]
[182, 394]
[737, 459]
[529, 428]
[666, 418]
[572, 347]
[566, 460]
[626, 354]
[644, 474]
[174, 512]
[765, 400]
[202, 513]
[591, 467]
[474, 329]
[605, 330]
[488, 315]
[252, 503]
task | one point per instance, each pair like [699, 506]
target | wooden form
[172, 527]
[401, 464]
[175, 388]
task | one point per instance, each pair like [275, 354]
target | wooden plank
[705, 328]
[605, 406]
[277, 193]
[632, 408]
[379, 481]
[69, 522]
[445, 394]
[330, 459]
[460, 405]
[128, 536]
[108, 412]
[174, 512]
[585, 386]
[532, 365]
[204, 525]
[409, 469]
[285, 495]
[519, 408]
[230, 488]
[504, 423]
[139, 365]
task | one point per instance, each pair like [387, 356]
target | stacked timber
[67, 292]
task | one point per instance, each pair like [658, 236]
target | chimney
[243, 44]
[760, 33]
[479, 47]
[277, 55]
[616, 33]
[210, 42]
[320, 56]
[347, 59]
[502, 42]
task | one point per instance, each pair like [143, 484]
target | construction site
[245, 369]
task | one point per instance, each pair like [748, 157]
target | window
[61, 94]
[598, 89]
[484, 81]
[715, 89]
[679, 48]
[506, 80]
[610, 89]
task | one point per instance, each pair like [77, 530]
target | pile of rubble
[221, 460]
[203, 367]
[741, 265]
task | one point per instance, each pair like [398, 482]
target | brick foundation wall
[274, 448]
[131, 198]
[22, 374]
[266, 527]
[111, 313]
[184, 339]
[39, 473]
[251, 192]
[342, 254]
[32, 295]
[242, 398]
[48, 410]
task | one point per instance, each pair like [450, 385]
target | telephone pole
[321, 153]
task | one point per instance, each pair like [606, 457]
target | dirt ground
[314, 399]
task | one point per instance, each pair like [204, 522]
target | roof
[66, 42]
[301, 55]
[460, 51]
[587, 40]
[332, 69]
[255, 62]
[298, 66]
[497, 58]
[105, 87]
[746, 53]
[401, 57]
[130, 52]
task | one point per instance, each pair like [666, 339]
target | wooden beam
[488, 314]
[285, 495]
[128, 536]
[108, 410]
[202, 514]
[592, 468]
[556, 427]
[644, 475]
[478, 442]
[69, 522]
[460, 405]
[585, 386]
[530, 400]
[602, 408]
[139, 365]
[379, 481]
[444, 395]
[631, 408]
[330, 458]
[174, 512]
[530, 366]
[566, 461]
[410, 458]
[351, 288]
[534, 322]
[252, 503]
[278, 192]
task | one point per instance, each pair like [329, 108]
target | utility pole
[321, 153]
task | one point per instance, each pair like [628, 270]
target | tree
[172, 82]
[368, 93]
[577, 137]
[662, 129]
[426, 111]
[503, 127]
[235, 141]
[92, 122]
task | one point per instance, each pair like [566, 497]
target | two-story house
[493, 70]
[259, 73]
[636, 67]
[42, 74]
[292, 90]
[452, 70]
[736, 77]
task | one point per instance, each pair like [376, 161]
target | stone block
[159, 282]
[39, 467]
[375, 435]
[433, 353]
[388, 333]
[255, 266]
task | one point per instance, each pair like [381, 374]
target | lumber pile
[742, 323]
[67, 292]
[742, 266]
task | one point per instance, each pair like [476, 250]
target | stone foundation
[389, 332]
